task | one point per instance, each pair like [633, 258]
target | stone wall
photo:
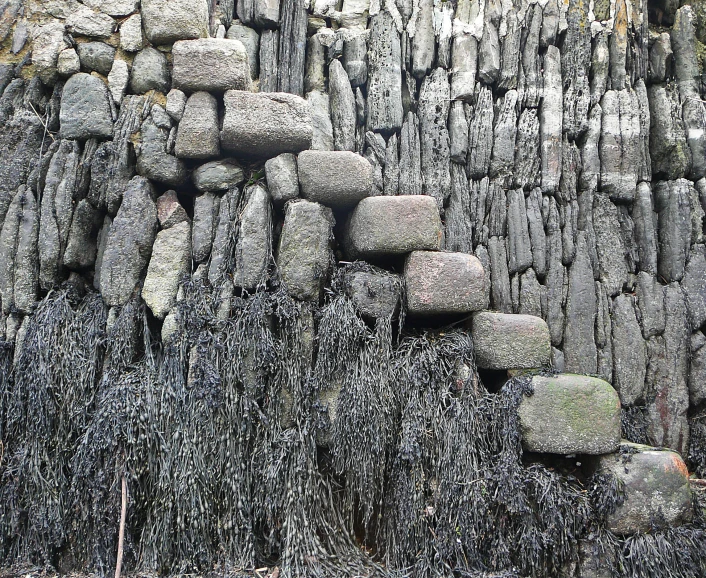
[543, 159]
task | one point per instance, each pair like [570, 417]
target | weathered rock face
[441, 283]
[334, 179]
[376, 294]
[265, 125]
[167, 21]
[85, 108]
[393, 225]
[570, 414]
[504, 341]
[254, 248]
[656, 484]
[197, 136]
[210, 64]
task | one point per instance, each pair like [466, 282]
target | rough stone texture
[197, 136]
[385, 113]
[282, 178]
[166, 21]
[96, 56]
[550, 121]
[697, 369]
[435, 146]
[19, 257]
[218, 175]
[85, 108]
[336, 179]
[670, 153]
[570, 414]
[671, 199]
[320, 114]
[304, 254]
[149, 72]
[656, 485]
[210, 64]
[131, 34]
[393, 225]
[118, 79]
[254, 247]
[47, 43]
[250, 39]
[504, 341]
[113, 7]
[81, 247]
[68, 62]
[694, 285]
[629, 352]
[129, 243]
[170, 261]
[169, 210]
[85, 22]
[153, 161]
[204, 226]
[376, 294]
[441, 283]
[265, 124]
[343, 113]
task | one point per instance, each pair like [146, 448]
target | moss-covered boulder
[570, 414]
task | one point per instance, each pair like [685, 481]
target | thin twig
[121, 534]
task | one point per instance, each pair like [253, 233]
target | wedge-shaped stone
[265, 124]
[439, 283]
[656, 484]
[570, 414]
[304, 255]
[334, 178]
[210, 64]
[505, 341]
[393, 225]
[85, 108]
[197, 137]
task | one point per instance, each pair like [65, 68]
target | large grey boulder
[169, 263]
[254, 247]
[210, 64]
[166, 21]
[197, 136]
[656, 484]
[129, 243]
[392, 226]
[443, 283]
[85, 108]
[375, 293]
[96, 56]
[304, 255]
[506, 341]
[218, 175]
[282, 178]
[149, 72]
[334, 178]
[265, 124]
[570, 414]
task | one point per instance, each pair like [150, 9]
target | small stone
[334, 178]
[68, 63]
[393, 225]
[47, 43]
[96, 56]
[160, 117]
[304, 255]
[210, 64]
[169, 210]
[265, 124]
[153, 161]
[282, 178]
[570, 414]
[218, 175]
[85, 108]
[656, 485]
[118, 79]
[506, 341]
[149, 72]
[176, 102]
[375, 294]
[197, 137]
[169, 264]
[167, 21]
[131, 34]
[443, 283]
[204, 227]
[85, 22]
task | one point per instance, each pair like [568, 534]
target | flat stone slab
[505, 341]
[656, 484]
[210, 64]
[381, 226]
[265, 124]
[441, 283]
[334, 178]
[570, 414]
